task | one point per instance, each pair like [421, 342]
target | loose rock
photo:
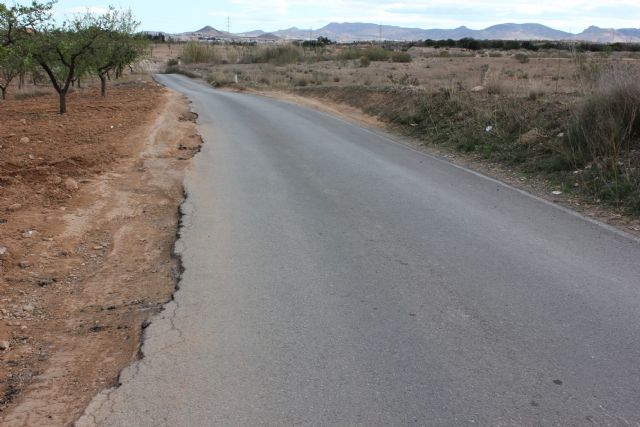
[24, 140]
[70, 184]
[5, 345]
[45, 281]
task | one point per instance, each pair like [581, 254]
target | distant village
[210, 34]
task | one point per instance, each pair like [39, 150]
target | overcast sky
[270, 15]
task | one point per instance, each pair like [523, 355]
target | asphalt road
[336, 277]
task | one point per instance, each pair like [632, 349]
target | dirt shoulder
[88, 216]
[616, 218]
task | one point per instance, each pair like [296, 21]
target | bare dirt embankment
[88, 216]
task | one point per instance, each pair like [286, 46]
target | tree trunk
[63, 102]
[103, 85]
[4, 92]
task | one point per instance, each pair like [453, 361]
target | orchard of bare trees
[33, 44]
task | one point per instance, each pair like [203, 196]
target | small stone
[32, 157]
[23, 327]
[556, 193]
[14, 207]
[477, 89]
[70, 184]
[24, 140]
[98, 247]
[23, 121]
[561, 135]
[28, 308]
[45, 281]
[3, 251]
[5, 345]
[56, 179]
[24, 264]
[28, 234]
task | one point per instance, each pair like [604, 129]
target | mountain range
[349, 32]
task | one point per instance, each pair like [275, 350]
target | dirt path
[91, 259]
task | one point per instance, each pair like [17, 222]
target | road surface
[336, 277]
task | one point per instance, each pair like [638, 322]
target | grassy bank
[586, 145]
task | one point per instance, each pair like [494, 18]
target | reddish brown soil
[88, 216]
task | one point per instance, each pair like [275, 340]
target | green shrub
[375, 53]
[200, 53]
[522, 58]
[607, 125]
[605, 134]
[364, 61]
[276, 55]
[400, 57]
[349, 54]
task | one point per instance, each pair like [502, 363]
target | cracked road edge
[102, 403]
